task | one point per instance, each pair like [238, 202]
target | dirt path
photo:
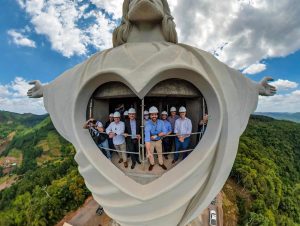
[9, 182]
[86, 216]
[219, 205]
[5, 142]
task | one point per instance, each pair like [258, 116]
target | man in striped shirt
[116, 131]
[182, 129]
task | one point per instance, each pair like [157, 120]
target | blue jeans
[181, 146]
[166, 142]
[104, 144]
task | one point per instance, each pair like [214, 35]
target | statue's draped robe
[184, 192]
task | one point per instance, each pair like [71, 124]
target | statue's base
[197, 222]
[203, 218]
[86, 215]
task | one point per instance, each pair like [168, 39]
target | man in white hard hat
[125, 115]
[154, 131]
[132, 135]
[183, 129]
[172, 118]
[115, 131]
[166, 140]
[110, 120]
[146, 116]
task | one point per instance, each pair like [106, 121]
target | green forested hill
[263, 189]
[295, 117]
[267, 170]
[47, 181]
[26, 119]
[10, 122]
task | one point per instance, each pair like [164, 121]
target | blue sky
[282, 68]
[41, 39]
[42, 63]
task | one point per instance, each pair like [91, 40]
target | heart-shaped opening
[114, 136]
[99, 172]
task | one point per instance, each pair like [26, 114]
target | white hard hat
[111, 115]
[182, 109]
[131, 111]
[146, 112]
[173, 109]
[153, 110]
[126, 113]
[164, 113]
[117, 114]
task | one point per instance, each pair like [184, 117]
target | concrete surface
[85, 216]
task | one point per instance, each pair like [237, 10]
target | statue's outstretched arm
[265, 89]
[37, 90]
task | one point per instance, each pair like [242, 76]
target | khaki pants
[158, 147]
[122, 155]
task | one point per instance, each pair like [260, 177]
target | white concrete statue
[145, 53]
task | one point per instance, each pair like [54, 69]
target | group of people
[123, 133]
[122, 136]
[161, 134]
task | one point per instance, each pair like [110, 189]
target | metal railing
[141, 145]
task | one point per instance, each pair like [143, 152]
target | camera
[92, 123]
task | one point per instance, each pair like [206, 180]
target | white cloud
[113, 7]
[99, 34]
[254, 69]
[21, 3]
[21, 40]
[284, 84]
[64, 23]
[240, 33]
[280, 103]
[13, 98]
[4, 91]
[57, 20]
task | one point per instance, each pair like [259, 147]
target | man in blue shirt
[173, 117]
[166, 140]
[154, 131]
